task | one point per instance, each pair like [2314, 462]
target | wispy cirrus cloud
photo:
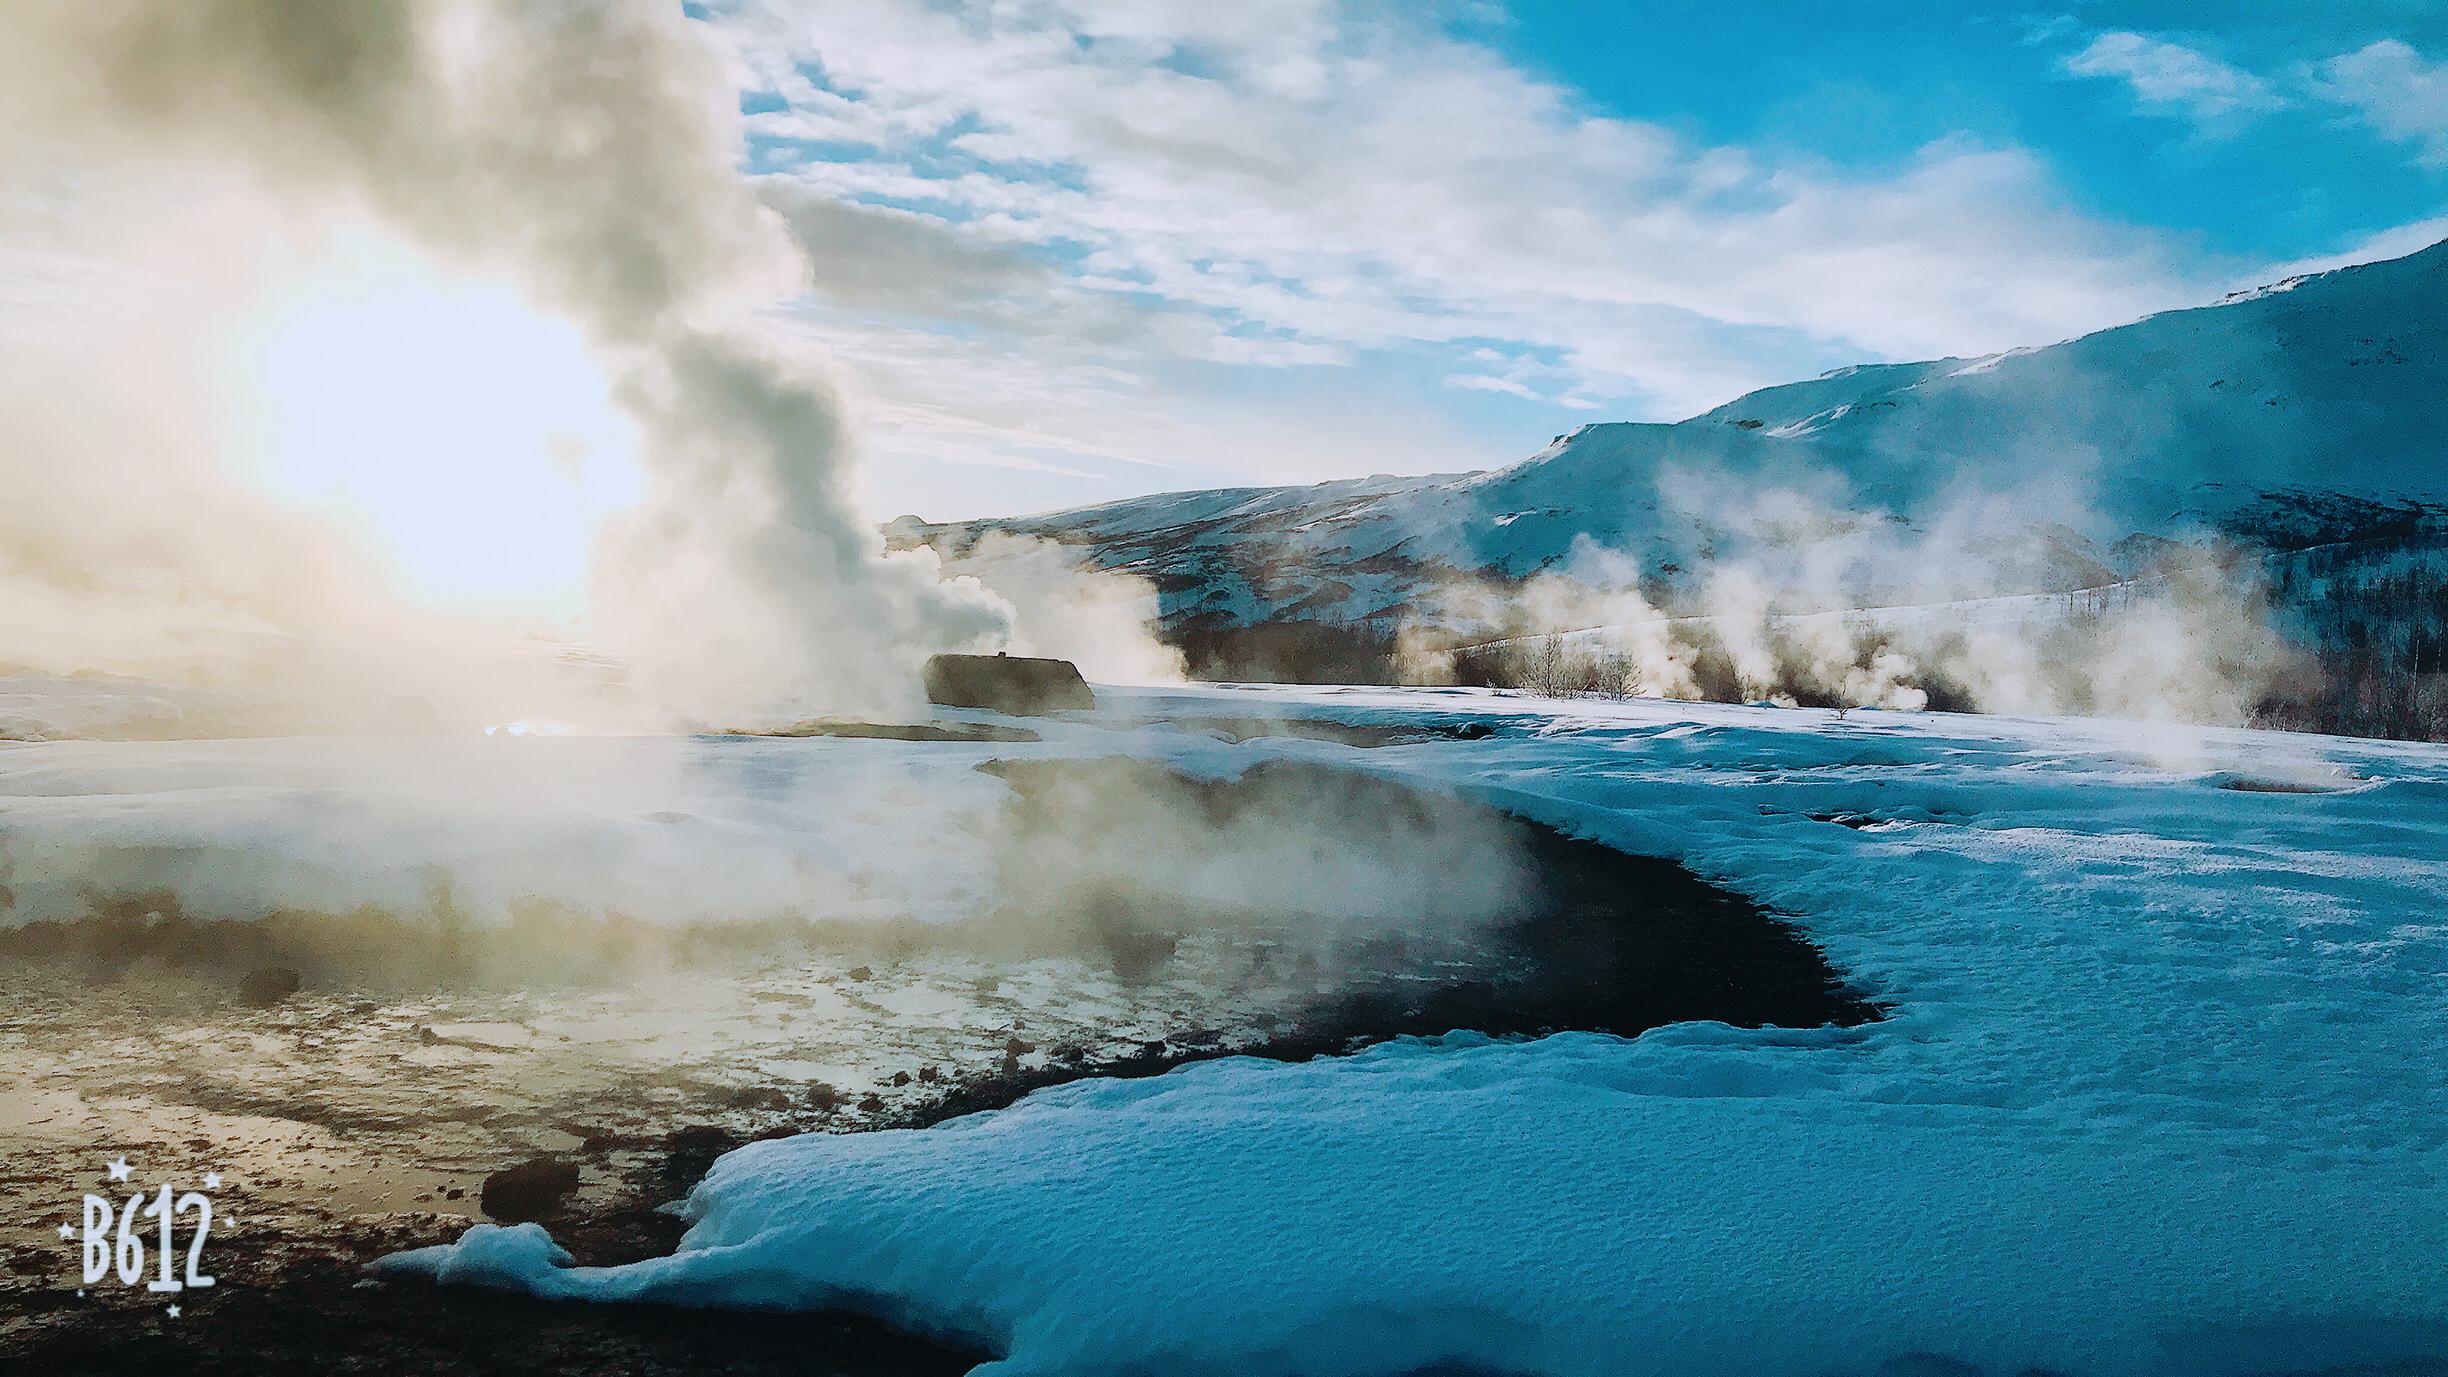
[2171, 78]
[2389, 85]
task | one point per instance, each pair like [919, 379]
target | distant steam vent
[1021, 685]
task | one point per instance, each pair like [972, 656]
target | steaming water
[516, 946]
[628, 953]
[338, 1106]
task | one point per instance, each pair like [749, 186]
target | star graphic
[67, 1230]
[118, 1167]
[174, 1312]
[212, 1180]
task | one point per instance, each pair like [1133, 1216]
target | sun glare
[470, 437]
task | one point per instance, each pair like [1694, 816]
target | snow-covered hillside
[2308, 411]
[2156, 1095]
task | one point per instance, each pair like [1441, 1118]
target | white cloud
[1302, 184]
[1488, 382]
[2396, 91]
[2171, 78]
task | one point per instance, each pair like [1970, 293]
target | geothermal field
[1281, 688]
[1247, 1029]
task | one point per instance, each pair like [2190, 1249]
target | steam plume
[586, 151]
[1808, 597]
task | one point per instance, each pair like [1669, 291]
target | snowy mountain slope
[2333, 384]
[2154, 1098]
[2303, 411]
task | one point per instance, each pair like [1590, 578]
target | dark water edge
[1605, 942]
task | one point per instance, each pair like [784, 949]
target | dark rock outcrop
[1021, 685]
[266, 986]
[530, 1190]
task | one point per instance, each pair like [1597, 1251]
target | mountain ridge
[2310, 407]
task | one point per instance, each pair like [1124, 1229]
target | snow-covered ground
[2160, 1092]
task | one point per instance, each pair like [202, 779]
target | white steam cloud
[1099, 619]
[1815, 597]
[587, 152]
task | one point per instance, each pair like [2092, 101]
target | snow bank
[2159, 1096]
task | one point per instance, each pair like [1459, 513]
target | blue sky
[2286, 176]
[1070, 252]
